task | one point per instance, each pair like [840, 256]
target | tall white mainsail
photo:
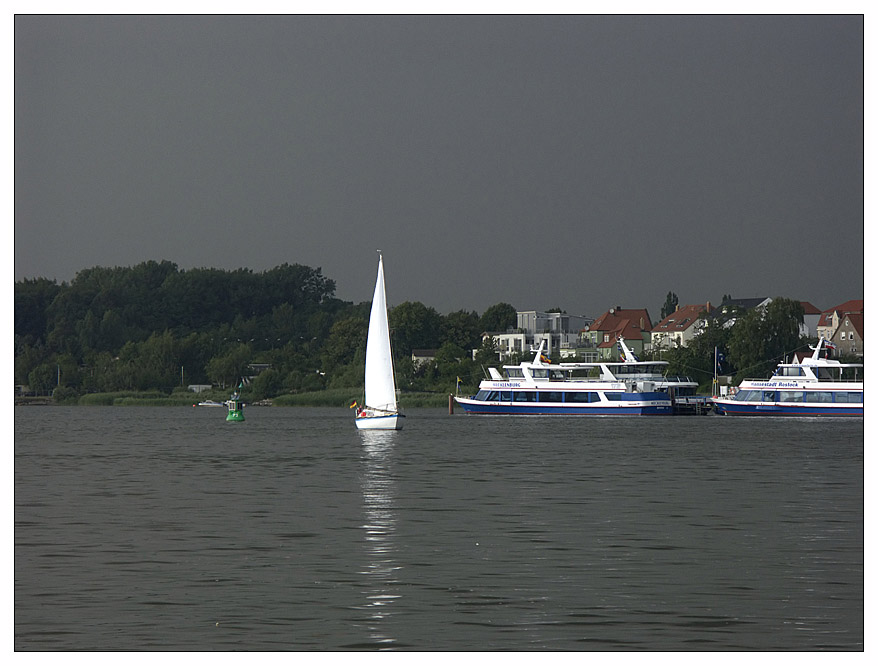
[380, 387]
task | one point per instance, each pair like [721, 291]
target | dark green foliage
[414, 326]
[696, 360]
[746, 343]
[498, 318]
[114, 331]
[763, 336]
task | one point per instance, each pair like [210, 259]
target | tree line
[746, 343]
[156, 326]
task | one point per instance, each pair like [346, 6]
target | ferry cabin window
[623, 369]
[613, 396]
[514, 373]
[791, 396]
[540, 374]
[748, 396]
[524, 396]
[818, 396]
[505, 396]
[848, 396]
[487, 396]
[551, 396]
[768, 396]
[828, 373]
[581, 396]
[790, 372]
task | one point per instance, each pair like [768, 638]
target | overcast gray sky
[572, 161]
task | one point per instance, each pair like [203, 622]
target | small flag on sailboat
[353, 404]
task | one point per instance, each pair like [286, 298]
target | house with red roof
[632, 324]
[679, 327]
[848, 337]
[831, 319]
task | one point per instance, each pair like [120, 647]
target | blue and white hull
[814, 387]
[732, 407]
[622, 404]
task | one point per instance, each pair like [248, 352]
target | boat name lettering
[777, 384]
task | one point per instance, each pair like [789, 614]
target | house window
[842, 335]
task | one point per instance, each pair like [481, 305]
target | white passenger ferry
[629, 387]
[815, 387]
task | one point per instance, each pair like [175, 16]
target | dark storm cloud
[575, 161]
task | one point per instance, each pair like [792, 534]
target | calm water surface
[170, 529]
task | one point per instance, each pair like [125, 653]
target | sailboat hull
[380, 422]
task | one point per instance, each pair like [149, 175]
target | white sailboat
[380, 411]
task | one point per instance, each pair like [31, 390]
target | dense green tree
[32, 299]
[487, 353]
[267, 384]
[43, 378]
[763, 336]
[346, 342]
[498, 318]
[414, 326]
[228, 368]
[27, 358]
[697, 359]
[462, 329]
[158, 362]
[451, 361]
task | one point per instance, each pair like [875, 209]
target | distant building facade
[831, 319]
[422, 357]
[848, 337]
[598, 340]
[679, 327]
[559, 330]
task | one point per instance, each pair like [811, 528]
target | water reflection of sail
[379, 491]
